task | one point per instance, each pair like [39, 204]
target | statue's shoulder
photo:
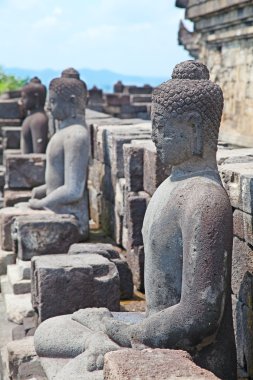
[38, 118]
[204, 190]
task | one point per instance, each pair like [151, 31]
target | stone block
[110, 252]
[25, 171]
[29, 323]
[243, 226]
[142, 99]
[18, 332]
[10, 122]
[104, 249]
[31, 370]
[229, 156]
[96, 173]
[62, 284]
[18, 284]
[159, 364]
[95, 206]
[135, 258]
[7, 216]
[126, 278]
[133, 167]
[12, 197]
[18, 307]
[6, 258]
[136, 205]
[36, 235]
[10, 109]
[2, 178]
[243, 323]
[242, 272]
[24, 269]
[11, 137]
[154, 171]
[10, 152]
[117, 100]
[108, 217]
[238, 181]
[20, 351]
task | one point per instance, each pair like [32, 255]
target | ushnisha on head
[34, 94]
[70, 72]
[67, 97]
[186, 113]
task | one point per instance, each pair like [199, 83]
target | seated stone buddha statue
[187, 233]
[34, 132]
[67, 154]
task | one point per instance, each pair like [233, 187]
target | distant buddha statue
[67, 154]
[34, 132]
[187, 234]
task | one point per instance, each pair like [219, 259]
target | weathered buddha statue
[187, 235]
[34, 132]
[67, 155]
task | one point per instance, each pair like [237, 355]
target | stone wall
[126, 102]
[223, 40]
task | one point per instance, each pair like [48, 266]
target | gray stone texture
[133, 167]
[155, 364]
[237, 180]
[243, 226]
[110, 252]
[10, 152]
[7, 216]
[41, 235]
[62, 284]
[19, 284]
[135, 258]
[6, 258]
[25, 171]
[10, 109]
[136, 205]
[11, 137]
[12, 197]
[242, 271]
[20, 352]
[226, 25]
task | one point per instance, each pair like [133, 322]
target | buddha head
[33, 95]
[66, 97]
[186, 114]
[73, 73]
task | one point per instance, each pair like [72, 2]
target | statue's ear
[195, 120]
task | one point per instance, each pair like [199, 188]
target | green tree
[10, 82]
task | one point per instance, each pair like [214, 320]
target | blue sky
[136, 37]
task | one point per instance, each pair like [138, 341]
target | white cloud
[128, 36]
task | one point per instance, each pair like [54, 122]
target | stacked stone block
[23, 172]
[236, 171]
[126, 102]
[106, 176]
[223, 40]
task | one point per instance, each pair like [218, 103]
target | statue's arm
[76, 156]
[39, 192]
[207, 242]
[39, 132]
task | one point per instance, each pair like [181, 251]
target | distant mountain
[103, 79]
